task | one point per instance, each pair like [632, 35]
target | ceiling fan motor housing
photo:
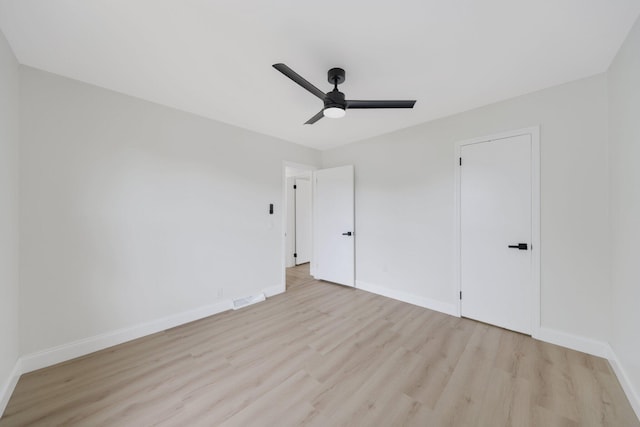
[335, 98]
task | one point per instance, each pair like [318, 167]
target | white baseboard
[440, 306]
[574, 342]
[9, 385]
[274, 290]
[632, 393]
[64, 352]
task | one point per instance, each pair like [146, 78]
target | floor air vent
[247, 301]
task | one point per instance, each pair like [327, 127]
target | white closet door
[496, 232]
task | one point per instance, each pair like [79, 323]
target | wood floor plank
[460, 401]
[326, 355]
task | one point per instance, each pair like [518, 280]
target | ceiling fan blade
[352, 103]
[315, 118]
[299, 79]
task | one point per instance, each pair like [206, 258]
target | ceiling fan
[335, 105]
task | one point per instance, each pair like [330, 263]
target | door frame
[283, 256]
[534, 292]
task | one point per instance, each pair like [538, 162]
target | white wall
[624, 154]
[405, 202]
[131, 211]
[9, 138]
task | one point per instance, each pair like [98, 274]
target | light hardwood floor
[326, 355]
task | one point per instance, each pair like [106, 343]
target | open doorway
[318, 224]
[298, 240]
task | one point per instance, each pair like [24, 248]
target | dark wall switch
[271, 208]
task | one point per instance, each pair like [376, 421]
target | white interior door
[495, 213]
[290, 235]
[303, 229]
[333, 225]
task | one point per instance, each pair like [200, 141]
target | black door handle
[348, 233]
[521, 246]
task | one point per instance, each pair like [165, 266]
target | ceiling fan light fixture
[334, 112]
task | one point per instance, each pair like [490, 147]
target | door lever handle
[521, 246]
[348, 233]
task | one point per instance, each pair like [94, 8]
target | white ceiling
[214, 58]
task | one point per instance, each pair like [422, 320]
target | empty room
[284, 213]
